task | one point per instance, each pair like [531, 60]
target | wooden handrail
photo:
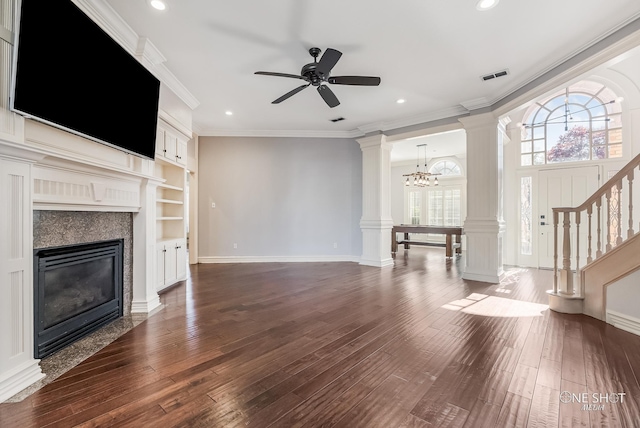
[604, 188]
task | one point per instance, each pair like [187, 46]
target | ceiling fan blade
[293, 76]
[355, 80]
[328, 96]
[329, 59]
[289, 94]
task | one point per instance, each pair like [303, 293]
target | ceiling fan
[318, 73]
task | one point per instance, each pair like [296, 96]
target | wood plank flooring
[338, 344]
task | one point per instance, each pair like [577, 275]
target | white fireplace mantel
[42, 168]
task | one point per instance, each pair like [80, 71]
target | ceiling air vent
[494, 75]
[337, 119]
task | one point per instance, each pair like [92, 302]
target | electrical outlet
[235, 246]
[335, 245]
[213, 204]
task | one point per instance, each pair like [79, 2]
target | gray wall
[279, 197]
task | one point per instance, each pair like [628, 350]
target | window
[443, 207]
[582, 122]
[445, 167]
[415, 207]
[526, 215]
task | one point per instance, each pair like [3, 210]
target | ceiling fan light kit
[318, 74]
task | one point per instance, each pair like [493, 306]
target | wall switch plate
[213, 204]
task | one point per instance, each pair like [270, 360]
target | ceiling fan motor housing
[309, 71]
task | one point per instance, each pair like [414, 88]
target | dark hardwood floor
[338, 344]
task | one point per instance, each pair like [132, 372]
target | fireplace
[77, 289]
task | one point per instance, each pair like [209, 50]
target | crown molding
[276, 133]
[413, 120]
[106, 17]
[360, 131]
[149, 51]
[477, 103]
[142, 48]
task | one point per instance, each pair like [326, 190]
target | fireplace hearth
[77, 289]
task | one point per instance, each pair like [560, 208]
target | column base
[145, 306]
[490, 277]
[377, 263]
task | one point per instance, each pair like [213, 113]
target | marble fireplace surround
[58, 228]
[62, 189]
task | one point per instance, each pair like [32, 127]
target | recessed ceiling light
[400, 101]
[486, 4]
[228, 113]
[158, 4]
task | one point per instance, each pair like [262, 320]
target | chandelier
[420, 178]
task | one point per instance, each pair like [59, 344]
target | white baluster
[578, 285]
[630, 232]
[608, 245]
[555, 252]
[599, 244]
[566, 274]
[589, 212]
[619, 213]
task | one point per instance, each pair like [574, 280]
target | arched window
[446, 168]
[580, 123]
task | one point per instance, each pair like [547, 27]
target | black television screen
[71, 74]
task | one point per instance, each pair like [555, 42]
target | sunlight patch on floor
[492, 306]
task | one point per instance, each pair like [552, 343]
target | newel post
[566, 276]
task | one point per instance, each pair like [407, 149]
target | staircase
[596, 244]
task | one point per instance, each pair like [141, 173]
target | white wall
[287, 198]
[618, 295]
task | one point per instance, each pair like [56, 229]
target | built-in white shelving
[170, 164]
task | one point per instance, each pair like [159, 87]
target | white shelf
[169, 201]
[168, 186]
[170, 204]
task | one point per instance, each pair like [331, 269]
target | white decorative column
[18, 368]
[484, 226]
[145, 297]
[376, 222]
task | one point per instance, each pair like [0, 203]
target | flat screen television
[70, 74]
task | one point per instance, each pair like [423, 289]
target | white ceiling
[430, 53]
[452, 143]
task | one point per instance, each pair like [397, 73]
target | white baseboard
[145, 306]
[19, 378]
[377, 263]
[277, 259]
[623, 322]
[491, 277]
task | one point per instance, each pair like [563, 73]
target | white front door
[562, 187]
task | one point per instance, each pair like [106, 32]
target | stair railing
[612, 197]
